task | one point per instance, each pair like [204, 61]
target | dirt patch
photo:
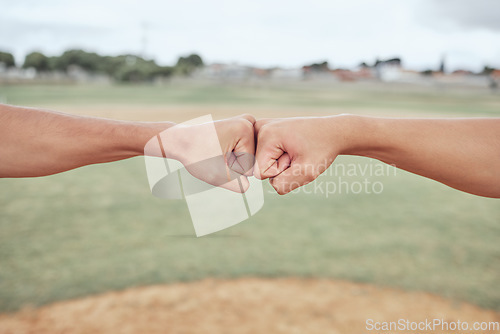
[250, 305]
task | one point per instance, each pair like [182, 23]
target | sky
[263, 33]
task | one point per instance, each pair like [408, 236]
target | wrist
[175, 142]
[361, 135]
[137, 134]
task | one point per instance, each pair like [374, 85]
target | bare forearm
[461, 153]
[35, 142]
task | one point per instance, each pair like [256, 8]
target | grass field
[98, 228]
[370, 98]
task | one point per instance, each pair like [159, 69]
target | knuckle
[249, 117]
[244, 127]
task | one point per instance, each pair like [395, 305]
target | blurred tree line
[125, 68]
[7, 59]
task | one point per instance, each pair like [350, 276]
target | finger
[241, 162]
[246, 161]
[261, 122]
[268, 153]
[244, 153]
[291, 178]
[283, 162]
[267, 162]
[265, 173]
[248, 117]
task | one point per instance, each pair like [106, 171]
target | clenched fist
[294, 151]
[224, 158]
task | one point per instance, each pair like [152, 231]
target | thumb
[271, 156]
[244, 151]
[267, 161]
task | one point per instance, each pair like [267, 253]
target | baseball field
[92, 251]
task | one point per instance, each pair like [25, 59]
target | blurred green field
[388, 98]
[98, 228]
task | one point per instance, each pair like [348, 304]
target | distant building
[388, 70]
[226, 71]
[318, 71]
[286, 74]
[15, 74]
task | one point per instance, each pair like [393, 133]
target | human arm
[37, 142]
[461, 153]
